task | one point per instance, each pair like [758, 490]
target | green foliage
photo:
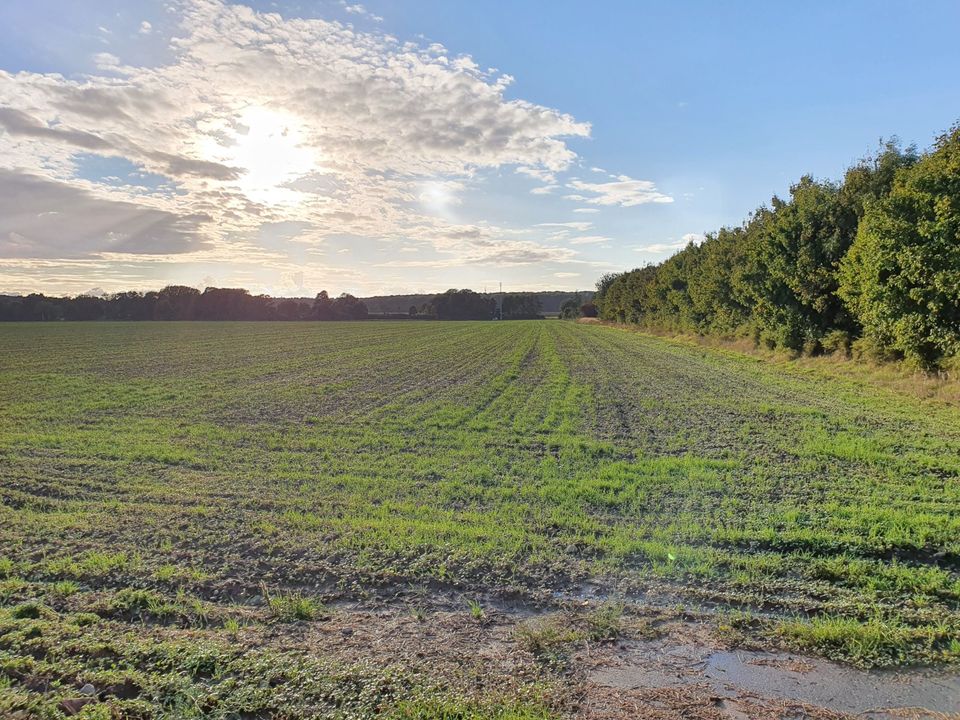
[291, 607]
[878, 254]
[605, 622]
[791, 277]
[476, 609]
[7, 567]
[902, 276]
[525, 306]
[570, 309]
[27, 611]
[837, 342]
[873, 643]
[147, 675]
[231, 626]
[452, 709]
[344, 307]
[549, 640]
[463, 305]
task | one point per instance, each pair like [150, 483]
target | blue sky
[339, 146]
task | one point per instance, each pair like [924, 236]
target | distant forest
[550, 301]
[178, 302]
[869, 266]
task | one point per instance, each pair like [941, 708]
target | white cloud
[623, 191]
[106, 61]
[566, 274]
[537, 173]
[145, 28]
[661, 247]
[588, 240]
[503, 254]
[576, 225]
[545, 176]
[85, 224]
[361, 122]
[695, 238]
[586, 210]
[358, 9]
[544, 189]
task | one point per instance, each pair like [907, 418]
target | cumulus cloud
[575, 225]
[660, 247]
[623, 191]
[537, 173]
[544, 189]
[262, 119]
[41, 218]
[20, 124]
[695, 238]
[359, 9]
[588, 240]
[501, 253]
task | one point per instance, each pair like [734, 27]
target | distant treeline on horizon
[869, 267]
[179, 302]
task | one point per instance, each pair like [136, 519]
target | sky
[413, 146]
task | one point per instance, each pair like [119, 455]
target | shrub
[837, 342]
[868, 348]
[901, 277]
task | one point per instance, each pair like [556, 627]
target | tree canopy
[179, 302]
[523, 306]
[463, 305]
[872, 261]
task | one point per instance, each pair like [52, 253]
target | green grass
[179, 458]
[292, 606]
[139, 676]
[605, 622]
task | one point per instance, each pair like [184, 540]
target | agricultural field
[455, 520]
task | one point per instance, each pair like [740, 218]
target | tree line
[868, 266]
[550, 301]
[179, 302]
[469, 305]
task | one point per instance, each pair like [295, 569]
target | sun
[269, 147]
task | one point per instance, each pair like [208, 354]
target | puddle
[874, 694]
[836, 687]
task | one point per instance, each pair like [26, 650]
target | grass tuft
[292, 607]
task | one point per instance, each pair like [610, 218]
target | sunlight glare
[272, 152]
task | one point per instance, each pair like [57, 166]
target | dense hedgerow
[872, 262]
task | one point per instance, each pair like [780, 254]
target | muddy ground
[658, 663]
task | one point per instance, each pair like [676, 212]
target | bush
[812, 348]
[868, 348]
[837, 342]
[901, 277]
